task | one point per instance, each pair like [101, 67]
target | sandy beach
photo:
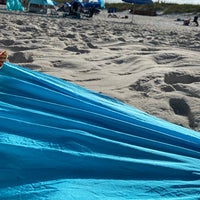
[151, 63]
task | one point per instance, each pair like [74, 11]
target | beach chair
[186, 22]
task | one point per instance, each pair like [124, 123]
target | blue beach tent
[40, 6]
[102, 3]
[42, 2]
[96, 4]
[14, 5]
[59, 141]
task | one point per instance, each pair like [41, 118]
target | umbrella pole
[132, 13]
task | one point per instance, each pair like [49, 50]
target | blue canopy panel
[96, 4]
[102, 3]
[42, 2]
[14, 5]
[61, 141]
[92, 4]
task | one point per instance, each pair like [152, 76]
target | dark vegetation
[164, 8]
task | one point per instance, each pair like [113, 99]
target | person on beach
[195, 20]
[76, 9]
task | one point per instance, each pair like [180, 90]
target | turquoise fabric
[59, 141]
[42, 2]
[14, 5]
[102, 3]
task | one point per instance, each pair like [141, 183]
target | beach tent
[14, 5]
[59, 141]
[137, 2]
[96, 4]
[40, 6]
[42, 2]
[102, 3]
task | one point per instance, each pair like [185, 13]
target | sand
[151, 63]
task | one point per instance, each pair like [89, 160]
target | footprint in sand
[180, 77]
[7, 42]
[76, 50]
[180, 107]
[166, 58]
[21, 57]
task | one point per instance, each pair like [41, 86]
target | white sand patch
[151, 63]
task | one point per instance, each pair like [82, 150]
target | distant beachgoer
[76, 9]
[75, 6]
[91, 12]
[195, 20]
[125, 17]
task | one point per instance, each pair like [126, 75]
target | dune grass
[165, 8]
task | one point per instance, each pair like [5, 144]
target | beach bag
[186, 22]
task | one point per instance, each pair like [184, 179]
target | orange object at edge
[3, 57]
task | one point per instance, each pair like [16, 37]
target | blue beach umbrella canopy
[42, 2]
[92, 4]
[138, 2]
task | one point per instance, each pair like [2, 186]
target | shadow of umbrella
[137, 2]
